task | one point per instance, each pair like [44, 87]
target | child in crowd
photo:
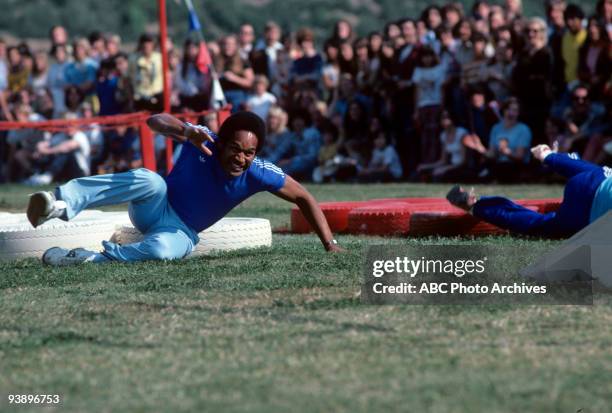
[385, 165]
[261, 101]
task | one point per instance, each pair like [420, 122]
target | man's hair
[95, 36]
[261, 79]
[120, 55]
[303, 35]
[243, 120]
[271, 25]
[452, 7]
[145, 38]
[550, 4]
[479, 37]
[573, 11]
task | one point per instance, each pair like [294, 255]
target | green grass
[282, 329]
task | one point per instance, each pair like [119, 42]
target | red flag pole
[163, 34]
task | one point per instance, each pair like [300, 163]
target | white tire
[87, 230]
[20, 240]
[119, 218]
[228, 234]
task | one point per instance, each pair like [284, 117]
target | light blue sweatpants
[166, 236]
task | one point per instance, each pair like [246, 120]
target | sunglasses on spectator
[580, 98]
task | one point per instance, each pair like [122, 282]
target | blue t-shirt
[106, 89]
[201, 192]
[518, 136]
[77, 73]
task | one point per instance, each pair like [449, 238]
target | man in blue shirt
[587, 197]
[212, 175]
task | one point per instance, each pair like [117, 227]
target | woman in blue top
[587, 196]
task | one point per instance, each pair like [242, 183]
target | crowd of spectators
[450, 95]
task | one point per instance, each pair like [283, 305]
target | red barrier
[58, 125]
[147, 147]
[134, 120]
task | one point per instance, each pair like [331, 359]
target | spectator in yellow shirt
[147, 76]
[572, 40]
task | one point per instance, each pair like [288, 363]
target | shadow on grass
[36, 338]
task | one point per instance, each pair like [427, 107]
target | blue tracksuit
[582, 192]
[171, 212]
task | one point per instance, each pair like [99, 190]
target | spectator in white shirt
[68, 156]
[428, 79]
[262, 100]
[453, 158]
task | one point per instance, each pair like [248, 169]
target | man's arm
[67, 146]
[292, 191]
[178, 130]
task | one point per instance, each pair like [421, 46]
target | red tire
[449, 223]
[336, 214]
[388, 218]
[414, 201]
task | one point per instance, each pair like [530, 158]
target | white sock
[59, 207]
[100, 258]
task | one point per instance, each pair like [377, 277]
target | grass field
[282, 329]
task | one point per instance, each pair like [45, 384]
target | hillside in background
[33, 18]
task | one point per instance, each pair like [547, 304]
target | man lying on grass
[212, 175]
[587, 196]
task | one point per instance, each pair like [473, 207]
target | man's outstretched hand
[198, 138]
[540, 152]
[335, 248]
[168, 125]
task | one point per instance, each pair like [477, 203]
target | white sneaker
[42, 207]
[61, 257]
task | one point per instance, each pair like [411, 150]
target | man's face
[260, 88]
[512, 112]
[247, 34]
[434, 19]
[452, 17]
[344, 30]
[112, 47]
[409, 32]
[556, 15]
[59, 35]
[465, 31]
[478, 100]
[580, 100]
[237, 154]
[574, 24]
[376, 42]
[80, 52]
[272, 35]
[122, 65]
[229, 46]
[148, 48]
